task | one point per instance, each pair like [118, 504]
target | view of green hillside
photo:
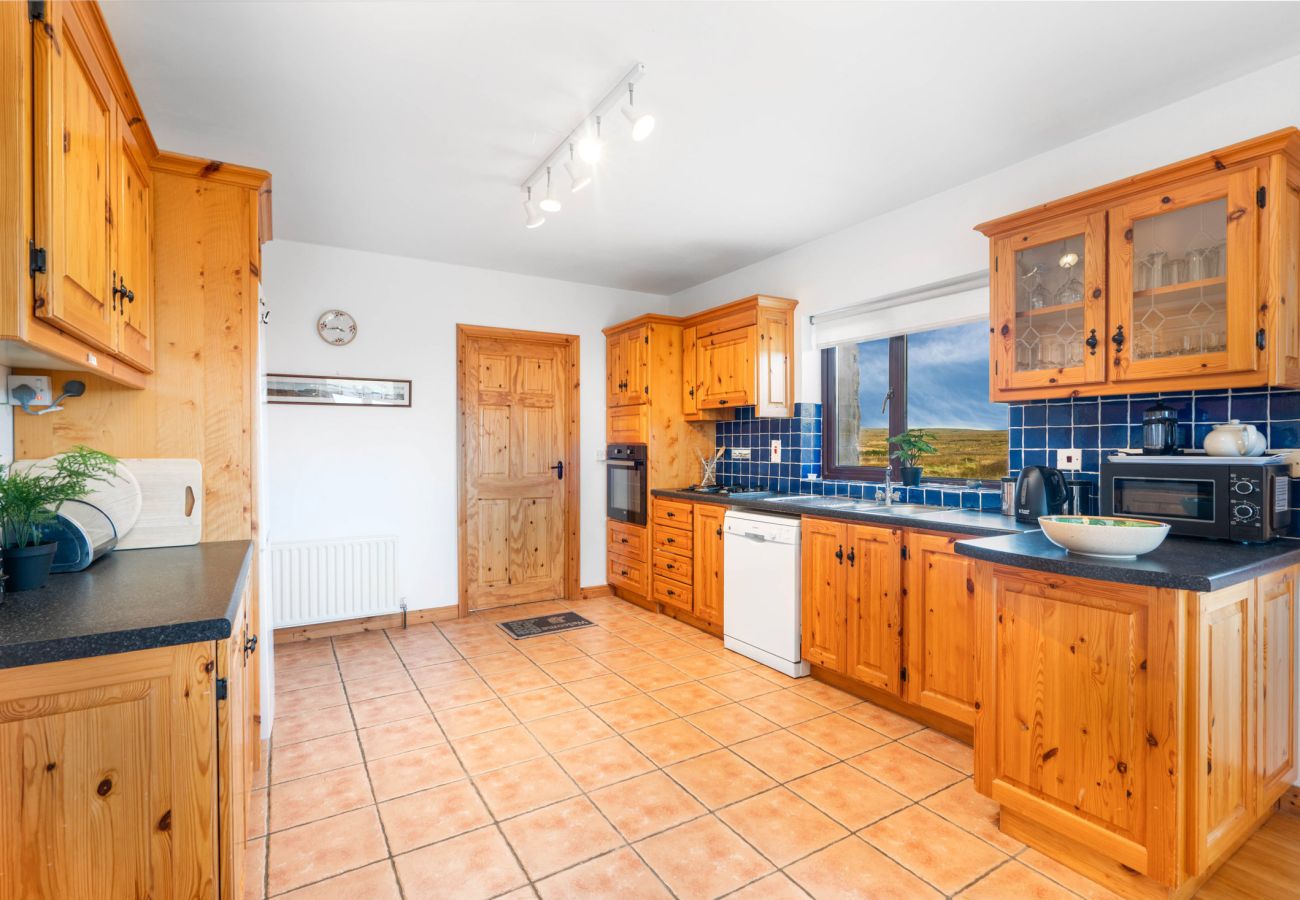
[963, 452]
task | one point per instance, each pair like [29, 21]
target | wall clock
[336, 327]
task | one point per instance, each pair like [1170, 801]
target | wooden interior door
[1275, 651]
[823, 594]
[874, 605]
[74, 156]
[132, 235]
[941, 626]
[708, 562]
[517, 474]
[725, 367]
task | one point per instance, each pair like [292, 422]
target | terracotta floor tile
[398, 737]
[316, 851]
[839, 736]
[782, 826]
[692, 697]
[1016, 880]
[480, 648]
[373, 882]
[413, 771]
[943, 748]
[964, 806]
[740, 662]
[601, 689]
[617, 874]
[549, 701]
[557, 652]
[719, 778]
[442, 673]
[774, 887]
[304, 726]
[633, 712]
[731, 724]
[701, 665]
[848, 796]
[646, 805]
[318, 797]
[575, 668]
[427, 656]
[625, 658]
[780, 679]
[556, 837]
[433, 815]
[474, 866]
[457, 693]
[255, 869]
[302, 678]
[462, 721]
[303, 655]
[259, 805]
[910, 773]
[379, 686]
[853, 869]
[571, 729]
[315, 756]
[671, 742]
[784, 708]
[596, 641]
[358, 668]
[1065, 876]
[827, 696]
[604, 762]
[877, 718]
[308, 699]
[389, 709]
[783, 755]
[655, 676]
[670, 649]
[702, 858]
[524, 787]
[934, 848]
[518, 681]
[509, 660]
[496, 749]
[740, 685]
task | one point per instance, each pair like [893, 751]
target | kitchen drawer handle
[623, 573]
[622, 540]
[670, 514]
[671, 592]
[669, 566]
[670, 540]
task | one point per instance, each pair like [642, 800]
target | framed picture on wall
[335, 390]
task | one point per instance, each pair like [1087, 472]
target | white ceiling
[406, 127]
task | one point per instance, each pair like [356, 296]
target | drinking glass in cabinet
[1049, 305]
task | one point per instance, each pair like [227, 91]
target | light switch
[1070, 460]
[776, 450]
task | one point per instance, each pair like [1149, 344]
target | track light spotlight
[532, 217]
[590, 147]
[549, 203]
[579, 173]
[642, 121]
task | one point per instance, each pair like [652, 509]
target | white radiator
[324, 581]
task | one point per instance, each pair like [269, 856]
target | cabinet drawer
[627, 425]
[627, 574]
[673, 513]
[626, 540]
[673, 540]
[673, 593]
[670, 565]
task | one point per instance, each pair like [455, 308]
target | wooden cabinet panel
[775, 353]
[133, 251]
[636, 364]
[674, 593]
[673, 513]
[708, 562]
[628, 574]
[725, 368]
[626, 540]
[874, 605]
[673, 540]
[673, 565]
[690, 374]
[74, 158]
[941, 624]
[615, 371]
[1222, 802]
[627, 425]
[236, 748]
[1275, 652]
[824, 616]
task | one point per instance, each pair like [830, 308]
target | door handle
[719, 531]
[1118, 339]
[852, 557]
[559, 470]
[839, 554]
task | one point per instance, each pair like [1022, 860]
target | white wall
[334, 473]
[932, 239]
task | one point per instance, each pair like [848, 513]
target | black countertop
[1191, 564]
[129, 600]
[958, 521]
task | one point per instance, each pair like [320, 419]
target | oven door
[1192, 499]
[626, 490]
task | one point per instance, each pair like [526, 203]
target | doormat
[539, 625]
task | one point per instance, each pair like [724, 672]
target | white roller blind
[953, 302]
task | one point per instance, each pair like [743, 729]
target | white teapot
[1234, 439]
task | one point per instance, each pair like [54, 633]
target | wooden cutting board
[171, 507]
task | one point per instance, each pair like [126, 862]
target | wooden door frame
[572, 445]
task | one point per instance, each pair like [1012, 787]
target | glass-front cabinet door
[1049, 305]
[1183, 281]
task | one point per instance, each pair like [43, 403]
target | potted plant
[909, 447]
[30, 499]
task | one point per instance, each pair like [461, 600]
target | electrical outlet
[38, 383]
[1070, 460]
[776, 450]
[739, 453]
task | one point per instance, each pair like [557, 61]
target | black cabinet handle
[670, 540]
[852, 557]
[692, 392]
[670, 514]
[250, 645]
[623, 573]
[1092, 342]
[671, 593]
[719, 531]
[669, 566]
[839, 554]
[1118, 338]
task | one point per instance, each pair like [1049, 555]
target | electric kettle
[1040, 491]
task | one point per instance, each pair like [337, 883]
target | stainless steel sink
[911, 509]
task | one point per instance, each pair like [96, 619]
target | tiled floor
[636, 759]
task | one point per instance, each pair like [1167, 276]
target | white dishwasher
[760, 583]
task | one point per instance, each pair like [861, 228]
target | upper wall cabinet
[739, 355]
[1181, 278]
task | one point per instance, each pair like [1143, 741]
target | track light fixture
[585, 146]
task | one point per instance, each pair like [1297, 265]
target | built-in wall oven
[626, 485]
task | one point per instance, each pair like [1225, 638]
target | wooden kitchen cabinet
[1276, 732]
[940, 626]
[238, 741]
[687, 559]
[707, 559]
[627, 366]
[1175, 279]
[740, 355]
[133, 249]
[824, 598]
[724, 364]
[874, 605]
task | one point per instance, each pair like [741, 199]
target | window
[933, 380]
